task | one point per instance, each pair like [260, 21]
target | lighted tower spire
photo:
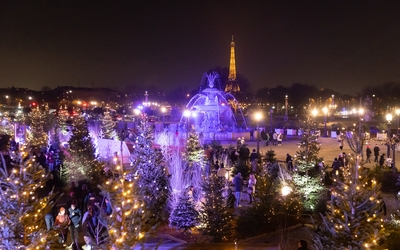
[232, 86]
[232, 63]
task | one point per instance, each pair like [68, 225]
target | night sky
[342, 45]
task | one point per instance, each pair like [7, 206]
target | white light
[258, 116]
[389, 117]
[186, 113]
[286, 190]
[314, 112]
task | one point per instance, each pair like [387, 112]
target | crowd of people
[79, 214]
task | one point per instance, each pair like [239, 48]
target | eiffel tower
[232, 86]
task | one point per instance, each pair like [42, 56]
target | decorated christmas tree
[49, 120]
[195, 159]
[307, 177]
[184, 215]
[62, 118]
[108, 127]
[273, 207]
[194, 152]
[128, 221]
[81, 162]
[6, 126]
[354, 219]
[37, 137]
[21, 208]
[308, 154]
[216, 218]
[148, 164]
[241, 167]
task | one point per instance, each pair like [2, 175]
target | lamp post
[286, 108]
[389, 118]
[258, 117]
[360, 132]
[271, 112]
[333, 107]
[397, 118]
[325, 110]
[187, 113]
[163, 110]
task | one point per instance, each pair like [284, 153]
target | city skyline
[339, 45]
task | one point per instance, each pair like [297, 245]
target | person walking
[275, 139]
[251, 188]
[376, 152]
[238, 183]
[75, 215]
[368, 152]
[253, 155]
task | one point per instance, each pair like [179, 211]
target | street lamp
[397, 118]
[325, 110]
[389, 118]
[314, 112]
[163, 110]
[187, 114]
[286, 108]
[258, 117]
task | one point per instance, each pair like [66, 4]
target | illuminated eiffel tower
[232, 86]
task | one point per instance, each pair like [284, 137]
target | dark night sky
[343, 45]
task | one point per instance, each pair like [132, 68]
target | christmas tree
[216, 218]
[148, 163]
[6, 126]
[307, 177]
[272, 209]
[125, 212]
[81, 162]
[49, 120]
[194, 152]
[353, 219]
[308, 154]
[195, 158]
[184, 215]
[270, 156]
[21, 211]
[242, 167]
[37, 137]
[62, 118]
[108, 127]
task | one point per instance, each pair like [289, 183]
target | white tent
[108, 148]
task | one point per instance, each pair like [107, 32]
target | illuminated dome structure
[213, 110]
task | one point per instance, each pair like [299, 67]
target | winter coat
[75, 216]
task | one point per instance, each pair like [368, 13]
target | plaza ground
[291, 236]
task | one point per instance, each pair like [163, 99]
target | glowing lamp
[258, 116]
[286, 190]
